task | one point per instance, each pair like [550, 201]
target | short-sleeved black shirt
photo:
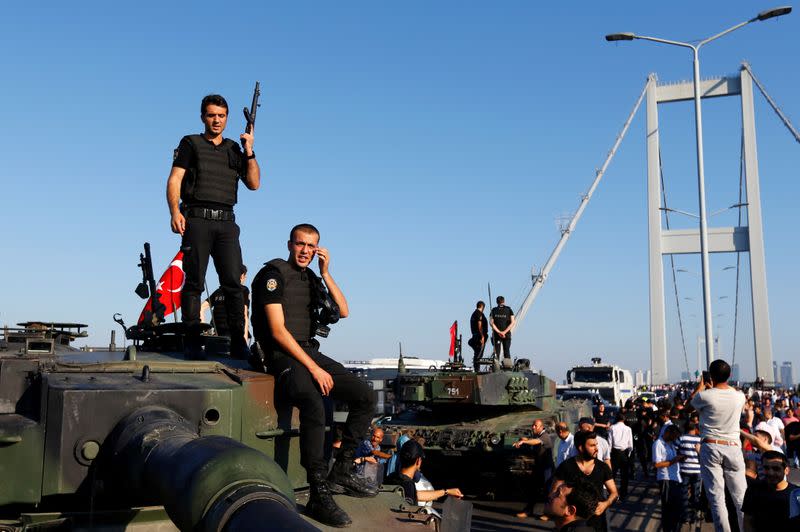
[408, 485]
[478, 317]
[268, 288]
[570, 472]
[769, 508]
[502, 316]
[792, 429]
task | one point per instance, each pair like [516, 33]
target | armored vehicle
[142, 439]
[469, 422]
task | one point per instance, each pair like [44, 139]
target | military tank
[142, 439]
[469, 421]
[107, 439]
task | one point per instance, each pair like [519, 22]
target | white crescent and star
[179, 264]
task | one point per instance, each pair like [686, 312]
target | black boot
[345, 480]
[321, 505]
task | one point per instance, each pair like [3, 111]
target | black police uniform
[478, 333]
[219, 311]
[291, 286]
[501, 315]
[208, 194]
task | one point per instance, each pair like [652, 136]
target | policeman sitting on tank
[290, 307]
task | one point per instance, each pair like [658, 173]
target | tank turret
[469, 422]
[90, 439]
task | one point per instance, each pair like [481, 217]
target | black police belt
[221, 215]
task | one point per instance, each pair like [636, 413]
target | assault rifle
[250, 114]
[147, 288]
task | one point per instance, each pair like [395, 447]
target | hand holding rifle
[250, 116]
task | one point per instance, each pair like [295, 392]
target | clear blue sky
[433, 143]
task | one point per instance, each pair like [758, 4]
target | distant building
[685, 376]
[648, 377]
[735, 372]
[638, 379]
[775, 375]
[787, 375]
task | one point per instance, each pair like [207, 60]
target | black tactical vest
[297, 299]
[219, 312]
[216, 175]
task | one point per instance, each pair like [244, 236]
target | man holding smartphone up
[286, 318]
[721, 459]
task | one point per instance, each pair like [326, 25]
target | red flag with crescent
[453, 334]
[169, 288]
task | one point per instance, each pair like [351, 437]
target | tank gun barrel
[205, 483]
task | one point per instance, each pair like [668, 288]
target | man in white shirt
[721, 459]
[666, 461]
[620, 438]
[566, 447]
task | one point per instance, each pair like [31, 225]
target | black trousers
[294, 387]
[505, 342]
[477, 350]
[671, 503]
[219, 240]
[620, 462]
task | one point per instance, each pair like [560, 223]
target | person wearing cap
[771, 504]
[761, 442]
[410, 456]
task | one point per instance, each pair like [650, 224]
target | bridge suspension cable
[672, 262]
[738, 255]
[772, 103]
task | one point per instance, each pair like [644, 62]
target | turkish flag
[453, 334]
[168, 288]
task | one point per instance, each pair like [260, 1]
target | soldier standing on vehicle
[201, 192]
[286, 317]
[480, 332]
[502, 321]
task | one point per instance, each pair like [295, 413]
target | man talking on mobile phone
[721, 460]
[290, 307]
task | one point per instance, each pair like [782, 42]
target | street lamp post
[698, 121]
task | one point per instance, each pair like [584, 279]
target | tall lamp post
[764, 15]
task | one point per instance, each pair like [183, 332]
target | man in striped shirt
[689, 446]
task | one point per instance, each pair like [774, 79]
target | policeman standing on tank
[205, 178]
[502, 320]
[287, 314]
[479, 328]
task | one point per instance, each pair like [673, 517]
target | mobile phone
[706, 377]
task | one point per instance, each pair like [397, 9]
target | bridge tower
[747, 238]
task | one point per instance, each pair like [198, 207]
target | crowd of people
[717, 453]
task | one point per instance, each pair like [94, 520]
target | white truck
[613, 383]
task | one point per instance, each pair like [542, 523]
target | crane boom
[541, 277]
